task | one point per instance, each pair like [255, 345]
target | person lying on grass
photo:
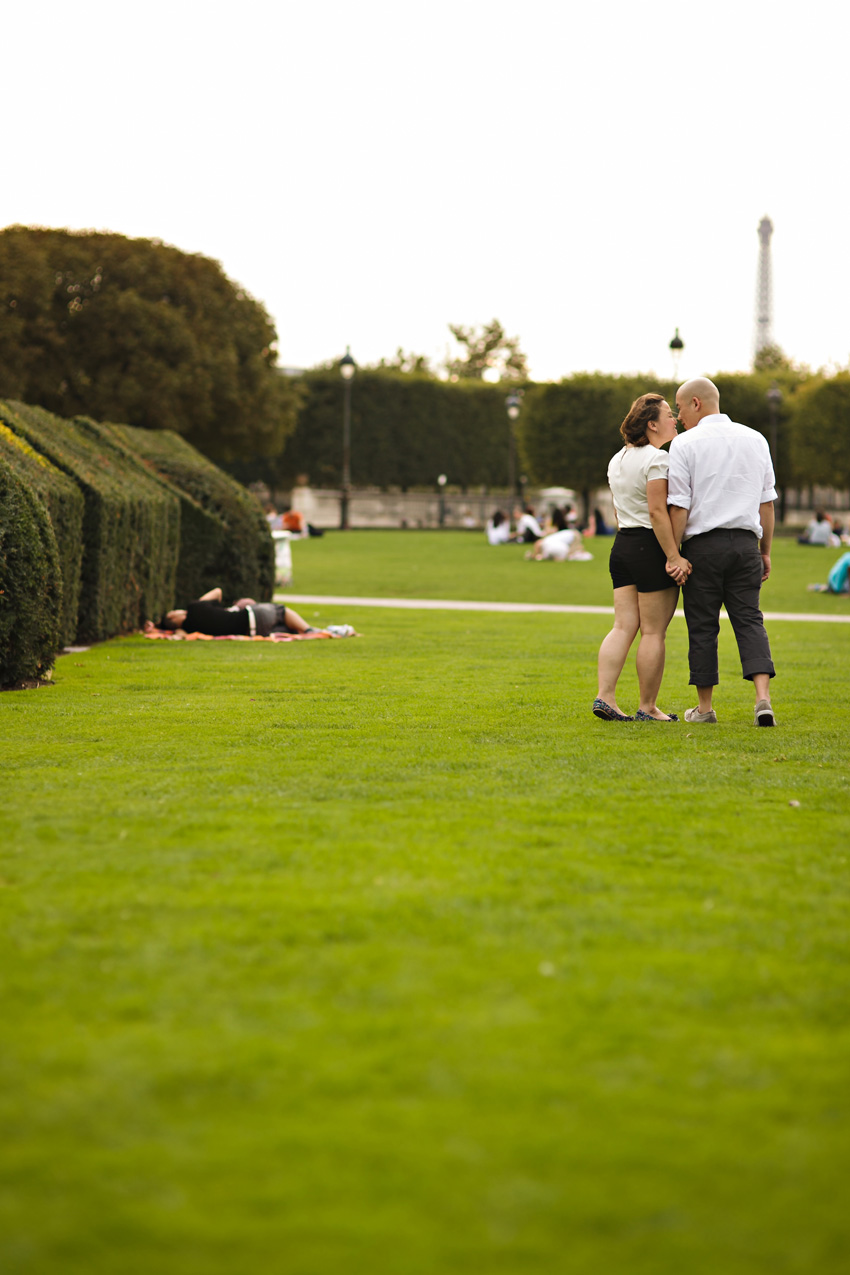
[246, 618]
[560, 546]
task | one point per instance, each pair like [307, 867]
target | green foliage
[133, 330]
[568, 432]
[30, 581]
[225, 538]
[772, 358]
[408, 363]
[487, 349]
[820, 431]
[130, 523]
[405, 430]
[64, 502]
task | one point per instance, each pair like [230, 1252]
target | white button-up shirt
[720, 472]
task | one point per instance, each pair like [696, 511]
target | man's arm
[656, 499]
[678, 521]
[767, 518]
[214, 595]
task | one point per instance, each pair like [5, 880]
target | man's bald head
[695, 399]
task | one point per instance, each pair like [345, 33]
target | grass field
[385, 954]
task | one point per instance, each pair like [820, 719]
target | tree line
[135, 331]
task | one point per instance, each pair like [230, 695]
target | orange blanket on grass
[233, 637]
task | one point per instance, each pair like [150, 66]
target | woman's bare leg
[656, 612]
[615, 647]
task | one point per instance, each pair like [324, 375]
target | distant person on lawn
[721, 493]
[819, 532]
[246, 618]
[528, 529]
[498, 529]
[559, 546]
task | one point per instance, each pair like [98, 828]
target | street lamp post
[347, 368]
[676, 347]
[441, 483]
[512, 403]
[774, 402]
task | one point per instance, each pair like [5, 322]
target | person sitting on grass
[528, 529]
[838, 580]
[819, 531]
[556, 521]
[498, 529]
[560, 546]
[246, 618]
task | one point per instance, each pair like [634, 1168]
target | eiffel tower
[764, 289]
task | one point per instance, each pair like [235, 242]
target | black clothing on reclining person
[219, 621]
[216, 620]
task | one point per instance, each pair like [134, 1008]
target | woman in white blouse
[645, 594]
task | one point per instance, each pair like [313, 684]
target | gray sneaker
[694, 715]
[764, 714]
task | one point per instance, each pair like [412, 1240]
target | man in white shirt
[721, 493]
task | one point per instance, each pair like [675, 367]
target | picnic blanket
[241, 637]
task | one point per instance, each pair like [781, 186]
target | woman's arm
[656, 496]
[214, 595]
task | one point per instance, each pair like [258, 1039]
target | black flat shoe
[641, 716]
[607, 713]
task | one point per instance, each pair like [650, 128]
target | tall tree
[820, 431]
[132, 330]
[487, 349]
[408, 363]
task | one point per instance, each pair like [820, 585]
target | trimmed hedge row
[131, 525]
[226, 538]
[405, 430]
[30, 582]
[126, 518]
[64, 503]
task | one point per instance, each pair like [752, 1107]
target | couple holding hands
[701, 518]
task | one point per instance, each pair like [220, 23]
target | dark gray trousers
[727, 569]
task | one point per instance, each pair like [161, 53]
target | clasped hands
[679, 568]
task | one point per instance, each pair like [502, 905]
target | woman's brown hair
[642, 411]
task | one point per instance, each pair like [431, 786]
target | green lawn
[386, 955]
[457, 564]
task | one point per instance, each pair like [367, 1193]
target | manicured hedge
[131, 524]
[225, 538]
[64, 502]
[30, 582]
[202, 532]
[405, 431]
[569, 431]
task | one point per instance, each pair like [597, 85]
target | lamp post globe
[512, 405]
[441, 483]
[347, 368]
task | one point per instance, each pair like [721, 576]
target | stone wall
[372, 508]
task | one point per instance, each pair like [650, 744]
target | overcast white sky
[591, 174]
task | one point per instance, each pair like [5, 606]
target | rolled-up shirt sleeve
[678, 479]
[769, 480]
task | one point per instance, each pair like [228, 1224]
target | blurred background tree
[485, 350]
[134, 331]
[820, 431]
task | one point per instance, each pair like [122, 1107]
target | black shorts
[638, 559]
